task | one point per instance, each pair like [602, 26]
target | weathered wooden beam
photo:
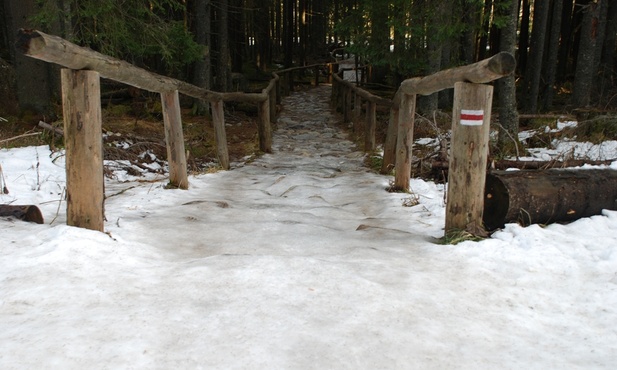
[471, 118]
[484, 71]
[54, 49]
[83, 140]
[174, 137]
[555, 195]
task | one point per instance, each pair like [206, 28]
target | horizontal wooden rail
[484, 71]
[363, 93]
[54, 49]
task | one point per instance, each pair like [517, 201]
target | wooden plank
[83, 140]
[404, 142]
[220, 136]
[176, 154]
[471, 119]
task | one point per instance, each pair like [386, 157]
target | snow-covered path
[297, 260]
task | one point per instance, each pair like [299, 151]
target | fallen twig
[20, 137]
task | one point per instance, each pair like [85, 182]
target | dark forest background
[565, 49]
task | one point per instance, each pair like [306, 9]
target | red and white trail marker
[470, 117]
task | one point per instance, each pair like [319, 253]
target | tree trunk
[566, 40]
[223, 78]
[524, 38]
[202, 72]
[583, 79]
[288, 33]
[263, 40]
[35, 88]
[536, 54]
[237, 30]
[607, 62]
[506, 86]
[552, 55]
[543, 197]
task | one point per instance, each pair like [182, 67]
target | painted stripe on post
[470, 117]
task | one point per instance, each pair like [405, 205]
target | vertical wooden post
[272, 101]
[389, 148]
[176, 155]
[290, 81]
[316, 72]
[404, 142]
[357, 106]
[83, 140]
[471, 117]
[347, 105]
[279, 96]
[370, 128]
[264, 127]
[220, 137]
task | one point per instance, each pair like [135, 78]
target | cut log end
[503, 63]
[25, 213]
[25, 38]
[543, 197]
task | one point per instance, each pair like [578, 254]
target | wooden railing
[83, 122]
[470, 131]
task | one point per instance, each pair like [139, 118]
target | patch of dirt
[138, 136]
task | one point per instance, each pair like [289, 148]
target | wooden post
[176, 155]
[279, 95]
[316, 72]
[264, 127]
[272, 100]
[357, 106]
[471, 116]
[371, 123]
[404, 142]
[389, 148]
[220, 137]
[83, 140]
[347, 105]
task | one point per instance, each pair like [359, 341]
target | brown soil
[129, 133]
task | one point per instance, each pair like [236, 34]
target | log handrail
[54, 49]
[484, 71]
[363, 93]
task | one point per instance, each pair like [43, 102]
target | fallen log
[504, 164]
[548, 196]
[26, 213]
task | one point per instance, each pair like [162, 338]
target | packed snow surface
[297, 260]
